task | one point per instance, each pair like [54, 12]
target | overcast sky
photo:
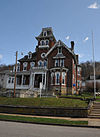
[22, 20]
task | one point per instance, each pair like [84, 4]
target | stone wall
[45, 111]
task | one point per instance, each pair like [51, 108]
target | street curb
[52, 124]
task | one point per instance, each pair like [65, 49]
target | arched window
[32, 64]
[45, 63]
[18, 67]
[40, 63]
[45, 33]
[57, 78]
[42, 42]
[52, 78]
[25, 66]
[43, 55]
[47, 42]
[63, 78]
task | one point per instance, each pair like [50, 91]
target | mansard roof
[49, 33]
[25, 58]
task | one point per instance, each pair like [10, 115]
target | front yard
[46, 102]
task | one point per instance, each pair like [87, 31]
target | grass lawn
[51, 102]
[42, 120]
[84, 95]
[98, 98]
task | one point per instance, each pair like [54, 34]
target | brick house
[53, 64]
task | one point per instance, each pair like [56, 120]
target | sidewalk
[91, 121]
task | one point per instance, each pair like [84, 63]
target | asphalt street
[13, 129]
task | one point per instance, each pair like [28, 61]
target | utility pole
[15, 73]
[94, 68]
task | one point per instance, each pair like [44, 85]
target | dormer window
[60, 50]
[30, 55]
[45, 33]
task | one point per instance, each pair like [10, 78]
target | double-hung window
[25, 66]
[57, 78]
[63, 78]
[56, 63]
[61, 62]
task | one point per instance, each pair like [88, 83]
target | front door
[38, 79]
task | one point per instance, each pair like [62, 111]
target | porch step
[95, 113]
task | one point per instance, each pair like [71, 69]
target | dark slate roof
[25, 58]
[49, 33]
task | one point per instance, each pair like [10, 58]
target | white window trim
[61, 62]
[43, 55]
[56, 63]
[44, 62]
[44, 41]
[52, 76]
[64, 74]
[56, 78]
[18, 66]
[41, 63]
[31, 64]
[44, 33]
[10, 78]
[25, 65]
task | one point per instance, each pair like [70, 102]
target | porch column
[22, 79]
[33, 79]
[45, 81]
[42, 80]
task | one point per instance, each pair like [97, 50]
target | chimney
[77, 59]
[72, 46]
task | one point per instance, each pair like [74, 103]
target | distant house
[89, 83]
[53, 64]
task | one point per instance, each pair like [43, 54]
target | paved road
[12, 129]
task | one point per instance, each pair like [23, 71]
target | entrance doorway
[38, 79]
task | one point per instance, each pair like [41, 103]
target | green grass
[42, 120]
[98, 98]
[49, 102]
[84, 95]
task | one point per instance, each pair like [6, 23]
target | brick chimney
[72, 46]
[77, 59]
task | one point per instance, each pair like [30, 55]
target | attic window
[45, 33]
[60, 50]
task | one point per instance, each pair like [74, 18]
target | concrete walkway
[91, 121]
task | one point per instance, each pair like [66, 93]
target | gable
[64, 47]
